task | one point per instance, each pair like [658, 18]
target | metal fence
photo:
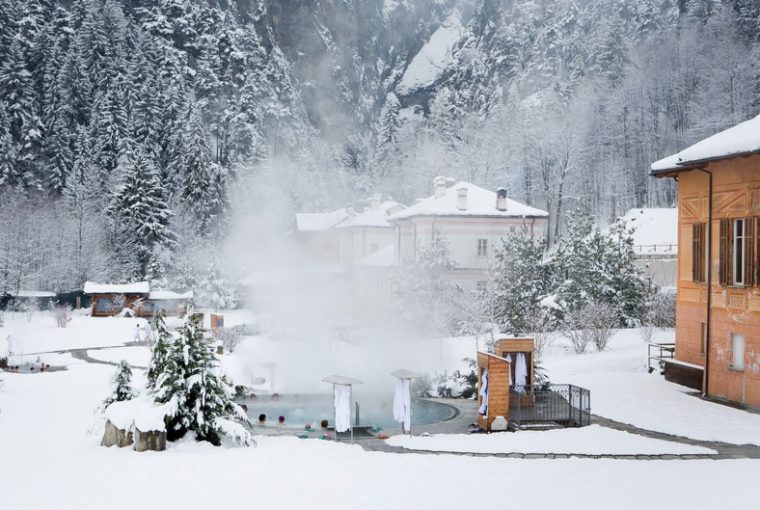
[560, 404]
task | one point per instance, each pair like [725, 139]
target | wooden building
[498, 389]
[109, 299]
[718, 282]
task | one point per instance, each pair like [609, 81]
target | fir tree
[121, 385]
[160, 354]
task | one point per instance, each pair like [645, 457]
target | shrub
[61, 314]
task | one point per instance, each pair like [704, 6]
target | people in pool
[323, 424]
[262, 419]
[281, 420]
[275, 396]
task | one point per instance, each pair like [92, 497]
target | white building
[369, 231]
[472, 220]
[655, 242]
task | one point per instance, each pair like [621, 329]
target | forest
[139, 139]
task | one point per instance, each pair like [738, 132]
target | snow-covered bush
[214, 290]
[61, 314]
[121, 385]
[230, 338]
[662, 308]
[592, 324]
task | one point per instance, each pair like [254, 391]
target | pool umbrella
[402, 400]
[342, 391]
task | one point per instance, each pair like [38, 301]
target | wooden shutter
[749, 252]
[724, 254]
[695, 233]
[756, 258]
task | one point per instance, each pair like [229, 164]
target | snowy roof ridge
[317, 222]
[372, 217]
[480, 202]
[117, 288]
[742, 139]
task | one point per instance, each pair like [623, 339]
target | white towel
[508, 357]
[521, 372]
[484, 393]
[342, 408]
[402, 403]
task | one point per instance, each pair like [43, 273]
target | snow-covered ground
[50, 461]
[594, 440]
[621, 389]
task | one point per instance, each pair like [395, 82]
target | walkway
[468, 408]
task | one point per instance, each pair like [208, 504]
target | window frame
[733, 365]
[482, 247]
[739, 242]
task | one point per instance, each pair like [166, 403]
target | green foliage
[121, 385]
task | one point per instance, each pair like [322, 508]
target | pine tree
[522, 279]
[121, 385]
[160, 354]
[139, 210]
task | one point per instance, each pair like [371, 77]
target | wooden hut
[109, 299]
[498, 388]
[173, 303]
[509, 348]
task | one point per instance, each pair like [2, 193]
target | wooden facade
[106, 304]
[498, 388]
[719, 268]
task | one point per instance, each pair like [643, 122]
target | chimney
[375, 201]
[439, 186]
[501, 199]
[462, 199]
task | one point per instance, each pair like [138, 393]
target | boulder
[152, 440]
[116, 436]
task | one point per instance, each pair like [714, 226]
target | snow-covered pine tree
[121, 385]
[209, 395]
[139, 211]
[160, 354]
[215, 291]
[521, 279]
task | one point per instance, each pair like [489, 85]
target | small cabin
[173, 303]
[109, 299]
[26, 300]
[493, 372]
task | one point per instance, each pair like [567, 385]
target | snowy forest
[137, 137]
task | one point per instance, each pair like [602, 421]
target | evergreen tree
[139, 210]
[121, 385]
[160, 353]
[521, 279]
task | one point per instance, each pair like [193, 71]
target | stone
[152, 440]
[114, 436]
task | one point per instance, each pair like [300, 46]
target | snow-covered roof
[373, 217]
[116, 288]
[740, 140]
[32, 294]
[384, 257]
[480, 202]
[433, 58]
[656, 230]
[339, 379]
[167, 295]
[317, 222]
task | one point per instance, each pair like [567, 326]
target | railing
[657, 353]
[561, 404]
[645, 249]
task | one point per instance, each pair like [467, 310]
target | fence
[563, 404]
[657, 353]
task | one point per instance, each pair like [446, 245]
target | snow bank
[594, 440]
[434, 57]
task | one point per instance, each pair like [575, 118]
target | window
[737, 252]
[373, 247]
[698, 252]
[703, 338]
[739, 246]
[482, 247]
[737, 351]
[103, 305]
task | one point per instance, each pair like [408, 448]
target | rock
[152, 440]
[116, 436]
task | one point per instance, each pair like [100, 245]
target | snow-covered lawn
[621, 389]
[594, 440]
[50, 462]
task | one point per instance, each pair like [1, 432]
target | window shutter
[756, 257]
[724, 251]
[749, 252]
[695, 241]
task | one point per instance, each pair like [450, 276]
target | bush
[663, 309]
[61, 314]
[594, 323]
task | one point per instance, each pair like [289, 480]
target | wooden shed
[109, 299]
[498, 388]
[510, 348]
[173, 303]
